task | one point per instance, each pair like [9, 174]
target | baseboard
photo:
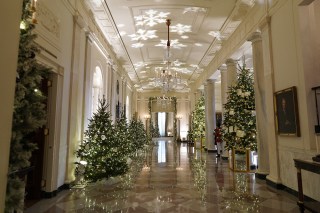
[55, 192]
[289, 190]
[275, 185]
[50, 194]
[261, 176]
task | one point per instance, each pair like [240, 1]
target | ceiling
[137, 32]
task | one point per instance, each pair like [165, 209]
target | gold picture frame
[286, 112]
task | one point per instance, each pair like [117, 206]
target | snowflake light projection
[194, 66]
[177, 63]
[181, 29]
[143, 35]
[182, 70]
[198, 44]
[194, 9]
[140, 64]
[137, 45]
[184, 37]
[151, 18]
[216, 34]
[174, 44]
[122, 33]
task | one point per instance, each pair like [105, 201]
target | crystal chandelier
[167, 79]
[164, 102]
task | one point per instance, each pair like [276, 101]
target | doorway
[164, 121]
[33, 187]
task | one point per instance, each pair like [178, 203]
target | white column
[79, 81]
[178, 128]
[232, 72]
[224, 94]
[206, 107]
[260, 102]
[224, 87]
[210, 113]
[9, 43]
[231, 80]
[274, 165]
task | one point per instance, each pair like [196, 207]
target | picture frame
[286, 112]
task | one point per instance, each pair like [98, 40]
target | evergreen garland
[29, 112]
[239, 125]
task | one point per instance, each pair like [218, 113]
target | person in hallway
[218, 139]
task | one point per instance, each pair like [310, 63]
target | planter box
[239, 160]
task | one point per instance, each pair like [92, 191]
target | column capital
[222, 68]
[254, 37]
[211, 81]
[230, 62]
[264, 22]
[78, 19]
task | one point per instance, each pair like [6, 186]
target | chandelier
[167, 79]
[164, 102]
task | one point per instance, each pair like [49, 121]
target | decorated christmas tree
[198, 119]
[105, 148]
[239, 125]
[154, 129]
[29, 112]
[138, 135]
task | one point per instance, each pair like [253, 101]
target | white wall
[55, 35]
[288, 43]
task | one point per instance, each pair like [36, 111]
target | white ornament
[129, 161]
[230, 128]
[247, 94]
[240, 133]
[239, 92]
[103, 137]
[253, 112]
[231, 112]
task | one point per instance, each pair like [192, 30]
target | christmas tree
[154, 129]
[105, 148]
[239, 125]
[198, 119]
[29, 109]
[138, 135]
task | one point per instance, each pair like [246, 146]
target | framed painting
[286, 111]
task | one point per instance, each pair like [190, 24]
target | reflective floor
[174, 178]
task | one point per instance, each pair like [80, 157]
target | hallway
[174, 179]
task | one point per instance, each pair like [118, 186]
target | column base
[274, 183]
[261, 175]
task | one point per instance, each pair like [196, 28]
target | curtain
[161, 123]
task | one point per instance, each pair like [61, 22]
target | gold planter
[239, 160]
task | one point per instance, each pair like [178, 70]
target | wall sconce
[179, 117]
[147, 116]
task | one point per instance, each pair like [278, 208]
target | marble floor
[173, 178]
